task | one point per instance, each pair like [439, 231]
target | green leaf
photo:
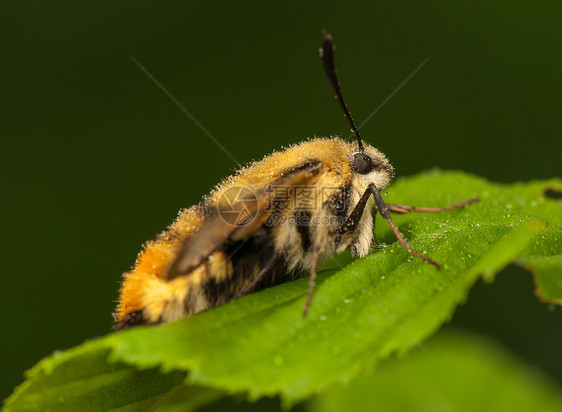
[188, 398]
[387, 302]
[457, 372]
[548, 276]
[67, 381]
[501, 204]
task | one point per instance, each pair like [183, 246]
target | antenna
[327, 54]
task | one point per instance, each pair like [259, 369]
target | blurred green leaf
[387, 302]
[82, 379]
[457, 372]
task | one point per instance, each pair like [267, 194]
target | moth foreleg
[355, 216]
[384, 211]
[402, 209]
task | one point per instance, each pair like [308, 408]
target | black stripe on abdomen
[302, 223]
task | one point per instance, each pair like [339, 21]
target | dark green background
[96, 159]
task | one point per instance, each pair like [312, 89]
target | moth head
[371, 166]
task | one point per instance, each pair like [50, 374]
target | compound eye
[362, 163]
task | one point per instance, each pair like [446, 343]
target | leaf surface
[361, 313]
[458, 372]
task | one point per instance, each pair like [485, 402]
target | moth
[266, 224]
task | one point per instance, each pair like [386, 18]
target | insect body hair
[274, 251]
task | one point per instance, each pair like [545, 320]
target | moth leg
[374, 216]
[351, 222]
[250, 287]
[402, 209]
[319, 237]
[384, 211]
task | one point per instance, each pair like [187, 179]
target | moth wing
[242, 218]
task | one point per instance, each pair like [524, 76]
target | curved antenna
[327, 54]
